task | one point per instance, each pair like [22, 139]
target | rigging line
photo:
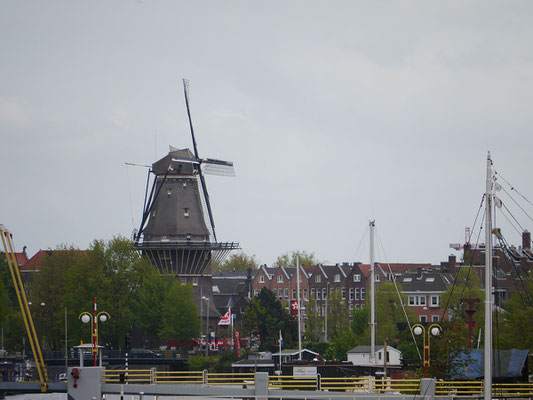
[455, 277]
[511, 223]
[511, 214]
[360, 242]
[512, 188]
[519, 206]
[398, 293]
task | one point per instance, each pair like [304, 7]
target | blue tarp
[506, 364]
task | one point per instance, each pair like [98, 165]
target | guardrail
[316, 382]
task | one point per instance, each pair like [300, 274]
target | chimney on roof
[452, 264]
[526, 240]
[419, 273]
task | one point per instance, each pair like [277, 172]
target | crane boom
[24, 307]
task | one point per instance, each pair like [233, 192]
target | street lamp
[419, 329]
[206, 326]
[87, 317]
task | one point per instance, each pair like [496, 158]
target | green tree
[266, 315]
[179, 314]
[148, 306]
[467, 285]
[48, 294]
[342, 342]
[289, 259]
[338, 317]
[314, 323]
[113, 273]
[239, 261]
[516, 330]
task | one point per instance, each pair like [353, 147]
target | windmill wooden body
[177, 230]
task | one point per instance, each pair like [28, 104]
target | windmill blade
[207, 203]
[184, 160]
[218, 167]
[200, 174]
[186, 92]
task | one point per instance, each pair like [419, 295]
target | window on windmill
[169, 192]
[164, 238]
[195, 281]
[186, 212]
[184, 183]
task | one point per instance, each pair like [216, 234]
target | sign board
[304, 372]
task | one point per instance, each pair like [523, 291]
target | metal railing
[316, 382]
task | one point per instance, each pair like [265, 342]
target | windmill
[177, 230]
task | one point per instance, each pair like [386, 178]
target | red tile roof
[34, 263]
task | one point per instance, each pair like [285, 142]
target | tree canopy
[239, 261]
[289, 259]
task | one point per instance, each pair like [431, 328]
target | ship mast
[487, 391]
[372, 298]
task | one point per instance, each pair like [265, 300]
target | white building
[360, 356]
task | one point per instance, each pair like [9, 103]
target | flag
[226, 319]
[280, 340]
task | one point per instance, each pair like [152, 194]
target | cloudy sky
[334, 113]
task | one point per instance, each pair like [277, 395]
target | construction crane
[7, 241]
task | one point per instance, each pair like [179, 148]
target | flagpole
[279, 341]
[299, 306]
[231, 320]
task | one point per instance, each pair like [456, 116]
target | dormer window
[357, 278]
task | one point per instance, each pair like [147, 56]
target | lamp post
[86, 317]
[419, 329]
[42, 306]
[206, 327]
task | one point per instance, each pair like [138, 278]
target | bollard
[141, 396]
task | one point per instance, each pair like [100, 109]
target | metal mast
[299, 306]
[487, 388]
[372, 298]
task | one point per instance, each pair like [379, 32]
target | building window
[261, 279]
[294, 294]
[430, 279]
[305, 294]
[376, 277]
[435, 301]
[343, 293]
[195, 281]
[324, 293]
[409, 279]
[280, 278]
[186, 212]
[337, 278]
[434, 318]
[351, 293]
[423, 318]
[256, 292]
[422, 300]
[362, 293]
[356, 293]
[379, 355]
[357, 278]
[280, 293]
[318, 278]
[313, 292]
[318, 294]
[412, 300]
[287, 293]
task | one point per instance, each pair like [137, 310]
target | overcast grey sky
[333, 113]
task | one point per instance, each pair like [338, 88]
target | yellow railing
[178, 377]
[512, 389]
[410, 386]
[229, 378]
[313, 382]
[345, 384]
[292, 382]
